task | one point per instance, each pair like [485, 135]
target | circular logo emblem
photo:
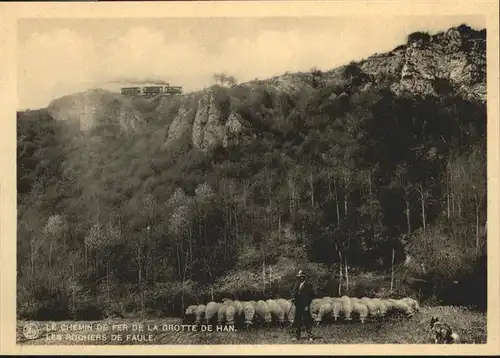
[30, 331]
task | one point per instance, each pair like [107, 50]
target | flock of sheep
[281, 312]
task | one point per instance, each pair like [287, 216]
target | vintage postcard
[249, 177]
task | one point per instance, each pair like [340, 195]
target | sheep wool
[249, 312]
[325, 311]
[263, 312]
[381, 307]
[337, 309]
[412, 303]
[285, 305]
[372, 308]
[200, 313]
[221, 314]
[211, 311]
[230, 313]
[239, 307]
[328, 299]
[401, 307]
[361, 310]
[276, 311]
[346, 308]
[315, 306]
[388, 305]
[191, 310]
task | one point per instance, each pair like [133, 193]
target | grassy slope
[471, 327]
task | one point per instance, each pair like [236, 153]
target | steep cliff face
[451, 61]
[290, 83]
[208, 126]
[233, 129]
[89, 108]
[202, 121]
[446, 57]
[183, 121]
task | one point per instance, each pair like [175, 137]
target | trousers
[303, 318]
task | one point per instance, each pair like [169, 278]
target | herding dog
[442, 332]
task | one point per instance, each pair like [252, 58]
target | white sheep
[230, 313]
[263, 313]
[336, 309]
[221, 313]
[189, 313]
[372, 308]
[325, 312]
[285, 306]
[361, 310]
[211, 311]
[276, 311]
[315, 306]
[389, 306]
[346, 308]
[380, 305]
[238, 314]
[328, 299]
[354, 300]
[239, 308]
[200, 314]
[401, 307]
[331, 300]
[248, 312]
[414, 306]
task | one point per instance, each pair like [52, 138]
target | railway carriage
[151, 90]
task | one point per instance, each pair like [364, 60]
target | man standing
[303, 295]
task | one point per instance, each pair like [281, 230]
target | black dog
[442, 332]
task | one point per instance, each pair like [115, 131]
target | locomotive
[151, 90]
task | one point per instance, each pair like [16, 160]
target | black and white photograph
[280, 180]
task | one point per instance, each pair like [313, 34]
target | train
[151, 90]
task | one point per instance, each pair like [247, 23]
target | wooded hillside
[345, 178]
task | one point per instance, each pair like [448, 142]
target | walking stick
[290, 326]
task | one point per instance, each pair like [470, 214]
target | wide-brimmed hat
[301, 274]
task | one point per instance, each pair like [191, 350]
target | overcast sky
[59, 57]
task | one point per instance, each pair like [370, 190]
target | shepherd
[303, 295]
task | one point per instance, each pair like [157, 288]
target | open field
[470, 325]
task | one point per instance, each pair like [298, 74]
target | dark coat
[304, 296]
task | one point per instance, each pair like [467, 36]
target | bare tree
[425, 197]
[406, 188]
[54, 230]
[224, 79]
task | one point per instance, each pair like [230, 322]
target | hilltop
[451, 61]
[363, 172]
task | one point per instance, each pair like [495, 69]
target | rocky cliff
[453, 61]
[95, 106]
[449, 61]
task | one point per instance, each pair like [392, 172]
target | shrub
[456, 273]
[88, 311]
[442, 86]
[221, 99]
[367, 284]
[419, 36]
[352, 70]
[49, 304]
[167, 298]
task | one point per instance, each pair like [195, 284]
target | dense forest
[370, 191]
